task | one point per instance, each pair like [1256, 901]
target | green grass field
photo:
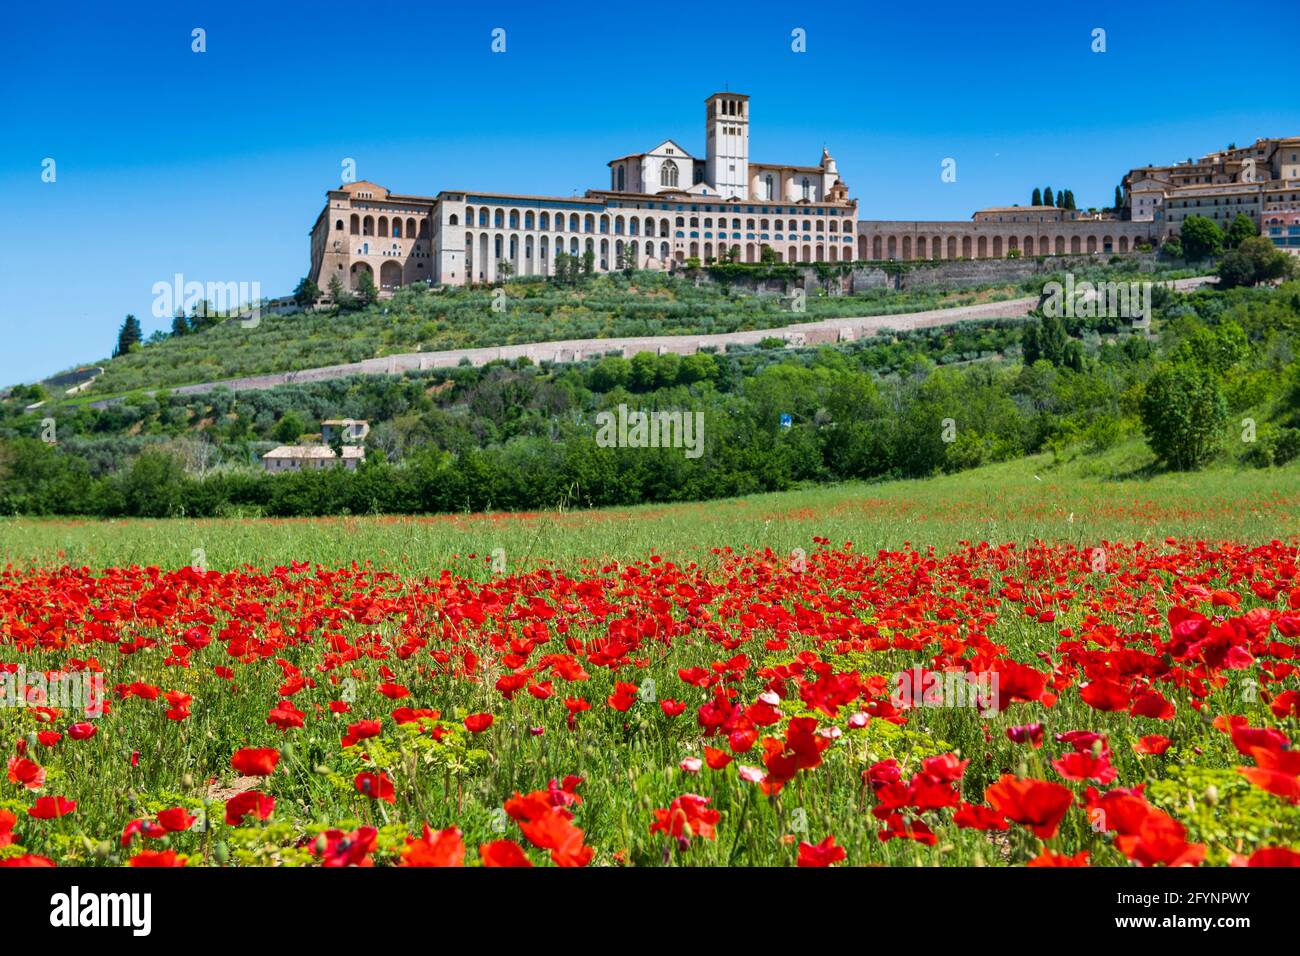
[1082, 502]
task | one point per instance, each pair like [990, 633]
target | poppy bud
[187, 781]
[222, 853]
[103, 850]
[31, 740]
[286, 752]
[1212, 795]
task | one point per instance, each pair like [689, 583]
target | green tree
[644, 371]
[1048, 198]
[1254, 261]
[367, 292]
[1069, 199]
[611, 372]
[1183, 414]
[1201, 238]
[306, 292]
[1241, 229]
[1044, 340]
[128, 335]
[340, 296]
[1119, 198]
[289, 428]
[1037, 198]
[180, 324]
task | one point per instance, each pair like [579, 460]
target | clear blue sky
[215, 165]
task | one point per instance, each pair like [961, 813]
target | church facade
[662, 207]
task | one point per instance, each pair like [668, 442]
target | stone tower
[726, 164]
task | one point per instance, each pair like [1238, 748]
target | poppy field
[1139, 705]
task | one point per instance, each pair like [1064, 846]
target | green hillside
[418, 319]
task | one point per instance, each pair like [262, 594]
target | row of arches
[396, 228]
[882, 247]
[528, 255]
[390, 275]
[632, 225]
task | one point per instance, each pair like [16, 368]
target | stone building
[666, 206]
[1217, 186]
[311, 457]
[662, 207]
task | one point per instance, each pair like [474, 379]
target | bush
[1183, 413]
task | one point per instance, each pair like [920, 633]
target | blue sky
[215, 165]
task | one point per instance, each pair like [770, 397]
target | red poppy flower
[435, 848]
[1052, 858]
[1269, 856]
[255, 761]
[176, 819]
[157, 858]
[687, 816]
[1152, 745]
[250, 801]
[362, 730]
[337, 849]
[503, 853]
[477, 723]
[1036, 804]
[822, 854]
[48, 808]
[26, 773]
[376, 786]
[715, 758]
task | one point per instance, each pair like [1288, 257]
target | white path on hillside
[821, 332]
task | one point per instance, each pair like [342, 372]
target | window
[621, 181]
[769, 195]
[807, 189]
[668, 173]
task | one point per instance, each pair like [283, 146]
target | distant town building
[307, 457]
[1281, 225]
[1217, 186]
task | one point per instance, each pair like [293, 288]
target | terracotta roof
[312, 452]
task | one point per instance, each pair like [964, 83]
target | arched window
[769, 186]
[807, 188]
[454, 221]
[668, 173]
[338, 226]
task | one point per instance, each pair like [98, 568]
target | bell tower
[726, 163]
